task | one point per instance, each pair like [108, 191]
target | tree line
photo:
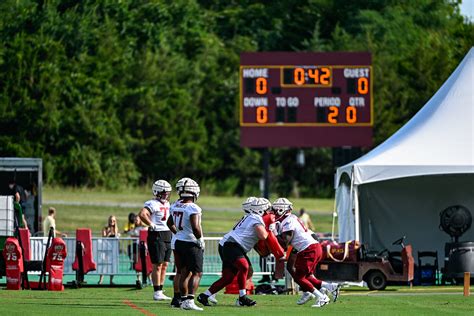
[118, 93]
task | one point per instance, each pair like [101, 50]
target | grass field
[91, 208]
[127, 301]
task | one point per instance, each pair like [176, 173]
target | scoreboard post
[304, 99]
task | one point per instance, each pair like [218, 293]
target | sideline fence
[116, 256]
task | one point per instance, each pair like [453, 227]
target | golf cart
[375, 269]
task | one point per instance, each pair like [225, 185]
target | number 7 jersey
[159, 211]
[181, 213]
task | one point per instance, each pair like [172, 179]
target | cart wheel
[139, 285]
[376, 280]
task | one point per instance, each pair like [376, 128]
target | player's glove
[153, 227]
[273, 228]
[201, 244]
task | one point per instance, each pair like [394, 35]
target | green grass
[224, 214]
[113, 301]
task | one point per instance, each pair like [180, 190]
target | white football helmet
[247, 204]
[282, 206]
[260, 206]
[187, 187]
[161, 189]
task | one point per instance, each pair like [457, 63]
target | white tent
[400, 187]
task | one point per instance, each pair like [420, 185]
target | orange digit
[363, 85]
[325, 75]
[314, 73]
[261, 85]
[262, 115]
[333, 113]
[299, 76]
[351, 115]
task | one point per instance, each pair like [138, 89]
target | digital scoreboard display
[301, 99]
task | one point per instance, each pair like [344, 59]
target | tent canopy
[437, 140]
[400, 187]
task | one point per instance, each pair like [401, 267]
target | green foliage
[116, 93]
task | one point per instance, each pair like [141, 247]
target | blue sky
[467, 9]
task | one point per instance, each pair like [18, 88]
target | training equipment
[248, 203]
[307, 296]
[187, 187]
[260, 206]
[282, 206]
[84, 260]
[274, 246]
[55, 264]
[13, 263]
[261, 248]
[161, 187]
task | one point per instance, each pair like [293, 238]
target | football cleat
[245, 301]
[335, 291]
[175, 302]
[320, 302]
[212, 299]
[190, 305]
[159, 296]
[203, 299]
[305, 298]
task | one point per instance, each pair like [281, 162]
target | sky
[467, 9]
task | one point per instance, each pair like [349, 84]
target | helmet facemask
[162, 190]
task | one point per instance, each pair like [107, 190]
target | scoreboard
[302, 99]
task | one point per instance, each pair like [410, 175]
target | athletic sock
[318, 293]
[207, 293]
[160, 287]
[242, 292]
[190, 297]
[156, 288]
[177, 295]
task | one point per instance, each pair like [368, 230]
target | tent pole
[334, 215]
[356, 212]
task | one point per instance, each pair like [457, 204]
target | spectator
[29, 208]
[111, 230]
[50, 221]
[19, 198]
[130, 226]
[306, 219]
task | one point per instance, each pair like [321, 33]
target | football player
[185, 223]
[233, 251]
[207, 296]
[155, 214]
[291, 231]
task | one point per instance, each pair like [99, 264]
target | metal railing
[116, 256]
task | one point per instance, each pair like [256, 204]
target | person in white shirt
[292, 231]
[237, 243]
[185, 223]
[155, 214]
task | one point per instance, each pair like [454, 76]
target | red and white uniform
[302, 238]
[244, 232]
[181, 213]
[160, 211]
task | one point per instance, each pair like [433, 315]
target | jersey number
[175, 217]
[239, 223]
[164, 210]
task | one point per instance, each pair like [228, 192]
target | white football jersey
[181, 213]
[244, 231]
[226, 236]
[302, 238]
[160, 211]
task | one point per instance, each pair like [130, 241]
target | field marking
[143, 311]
